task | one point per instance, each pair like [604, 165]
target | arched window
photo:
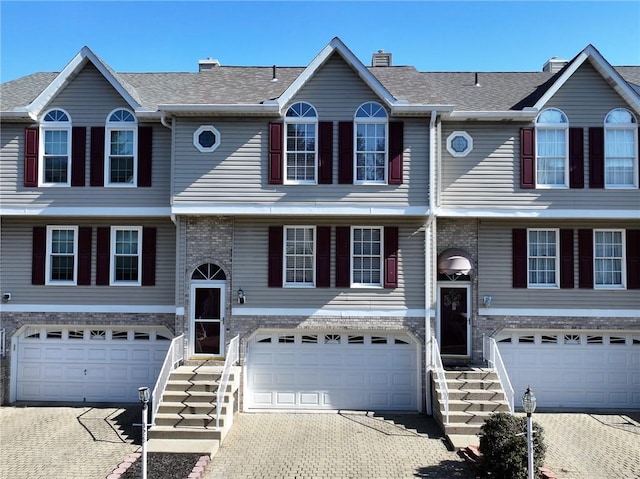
[371, 134]
[301, 146]
[552, 148]
[208, 272]
[55, 160]
[121, 166]
[620, 149]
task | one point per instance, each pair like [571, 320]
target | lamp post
[529, 405]
[143, 395]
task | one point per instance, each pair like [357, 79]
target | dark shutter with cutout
[38, 254]
[519, 253]
[527, 158]
[343, 252]
[84, 255]
[275, 256]
[78, 155]
[576, 158]
[585, 258]
[148, 256]
[31, 158]
[566, 258]
[345, 152]
[275, 153]
[391, 257]
[103, 255]
[396, 148]
[97, 156]
[323, 256]
[633, 259]
[145, 149]
[596, 157]
[325, 152]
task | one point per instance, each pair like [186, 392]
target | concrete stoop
[186, 418]
[475, 393]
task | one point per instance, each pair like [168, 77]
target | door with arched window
[208, 288]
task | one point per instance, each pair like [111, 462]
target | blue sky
[433, 36]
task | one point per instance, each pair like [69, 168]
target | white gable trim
[66, 75]
[333, 46]
[604, 68]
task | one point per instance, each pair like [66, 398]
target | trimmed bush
[503, 445]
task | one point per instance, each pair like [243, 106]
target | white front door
[207, 318]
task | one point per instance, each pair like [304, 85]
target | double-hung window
[608, 259]
[366, 256]
[126, 255]
[543, 258]
[620, 149]
[371, 151]
[299, 256]
[301, 127]
[121, 167]
[55, 163]
[62, 254]
[552, 149]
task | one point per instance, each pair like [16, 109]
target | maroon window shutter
[103, 255]
[519, 252]
[345, 152]
[585, 258]
[31, 157]
[38, 254]
[78, 155]
[145, 148]
[343, 256]
[275, 256]
[391, 257]
[148, 256]
[596, 157]
[566, 258]
[576, 158]
[325, 152]
[633, 259]
[84, 255]
[275, 153]
[396, 148]
[97, 156]
[323, 256]
[527, 158]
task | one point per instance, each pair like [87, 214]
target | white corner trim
[87, 308]
[334, 313]
[554, 313]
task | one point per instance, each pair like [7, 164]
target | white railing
[233, 356]
[174, 356]
[436, 365]
[2, 338]
[492, 355]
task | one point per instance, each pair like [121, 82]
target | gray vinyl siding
[250, 261]
[489, 177]
[236, 173]
[16, 237]
[88, 99]
[495, 271]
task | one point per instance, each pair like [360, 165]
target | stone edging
[196, 473]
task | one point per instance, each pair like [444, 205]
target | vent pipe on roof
[554, 65]
[476, 82]
[273, 75]
[381, 59]
[207, 64]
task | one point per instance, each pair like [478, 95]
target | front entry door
[454, 320]
[207, 319]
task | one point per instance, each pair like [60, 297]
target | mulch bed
[163, 466]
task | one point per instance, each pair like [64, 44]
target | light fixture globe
[528, 401]
[143, 395]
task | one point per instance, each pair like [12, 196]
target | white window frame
[196, 139]
[556, 258]
[49, 256]
[562, 127]
[125, 126]
[308, 116]
[296, 284]
[451, 138]
[352, 256]
[611, 128]
[622, 259]
[113, 254]
[366, 115]
[54, 125]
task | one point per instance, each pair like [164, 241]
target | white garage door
[91, 364]
[569, 369]
[337, 370]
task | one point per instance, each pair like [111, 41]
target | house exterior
[338, 218]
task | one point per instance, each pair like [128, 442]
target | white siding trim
[346, 313]
[535, 213]
[329, 210]
[553, 313]
[85, 211]
[87, 308]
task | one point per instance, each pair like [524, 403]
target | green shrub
[503, 445]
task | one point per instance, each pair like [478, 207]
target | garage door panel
[310, 399]
[119, 354]
[286, 398]
[308, 359]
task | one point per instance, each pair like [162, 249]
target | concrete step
[462, 441]
[184, 432]
[191, 385]
[473, 394]
[478, 405]
[189, 397]
[189, 407]
[187, 420]
[475, 374]
[463, 417]
[207, 447]
[473, 384]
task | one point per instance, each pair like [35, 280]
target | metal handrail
[493, 357]
[2, 347]
[174, 356]
[233, 356]
[436, 362]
